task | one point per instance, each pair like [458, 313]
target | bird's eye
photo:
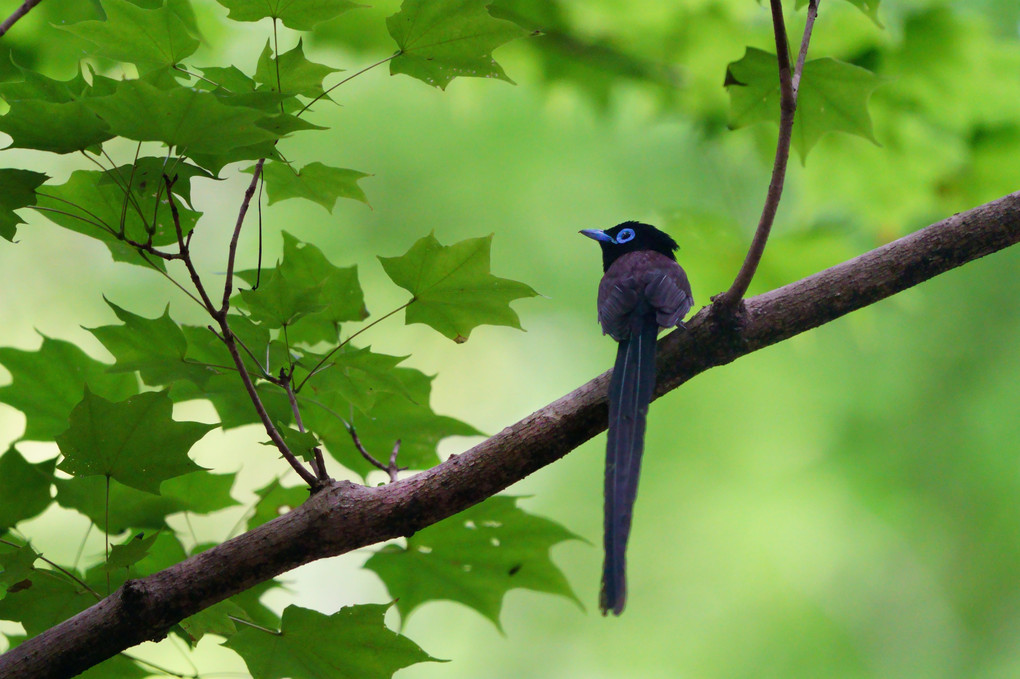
[625, 235]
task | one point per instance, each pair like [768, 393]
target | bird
[643, 289]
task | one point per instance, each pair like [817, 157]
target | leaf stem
[337, 348]
[249, 623]
[347, 79]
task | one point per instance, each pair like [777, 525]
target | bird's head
[631, 237]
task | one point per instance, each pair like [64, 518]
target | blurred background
[843, 504]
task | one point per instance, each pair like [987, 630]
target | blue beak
[595, 234]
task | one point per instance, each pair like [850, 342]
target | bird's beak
[595, 234]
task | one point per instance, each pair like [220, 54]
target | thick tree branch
[344, 516]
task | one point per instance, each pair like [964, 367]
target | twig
[319, 465]
[228, 287]
[25, 8]
[391, 468]
[798, 70]
[226, 335]
[183, 247]
[728, 300]
[228, 339]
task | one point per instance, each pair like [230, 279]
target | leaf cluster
[146, 121]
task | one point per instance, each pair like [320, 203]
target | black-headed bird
[642, 290]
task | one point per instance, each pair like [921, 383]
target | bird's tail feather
[630, 392]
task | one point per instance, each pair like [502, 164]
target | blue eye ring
[625, 236]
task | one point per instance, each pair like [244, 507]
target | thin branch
[390, 469]
[787, 109]
[171, 279]
[274, 434]
[344, 516]
[25, 8]
[319, 465]
[183, 249]
[798, 70]
[393, 468]
[228, 287]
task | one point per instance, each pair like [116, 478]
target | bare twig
[227, 335]
[728, 300]
[183, 247]
[391, 468]
[228, 287]
[798, 70]
[25, 8]
[320, 463]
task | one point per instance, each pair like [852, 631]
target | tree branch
[788, 86]
[25, 8]
[345, 516]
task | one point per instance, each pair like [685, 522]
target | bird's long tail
[630, 392]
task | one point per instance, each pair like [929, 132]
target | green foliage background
[843, 504]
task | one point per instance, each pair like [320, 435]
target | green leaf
[51, 115]
[117, 667]
[17, 190]
[130, 552]
[146, 37]
[146, 177]
[475, 558]
[316, 182]
[868, 7]
[301, 443]
[291, 73]
[255, 611]
[16, 564]
[186, 118]
[277, 303]
[393, 416]
[205, 347]
[91, 204]
[442, 39]
[154, 347]
[301, 15]
[213, 620]
[355, 376]
[833, 97]
[200, 493]
[275, 500]
[353, 642]
[452, 287]
[48, 382]
[24, 487]
[43, 601]
[136, 442]
[340, 295]
[231, 400]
